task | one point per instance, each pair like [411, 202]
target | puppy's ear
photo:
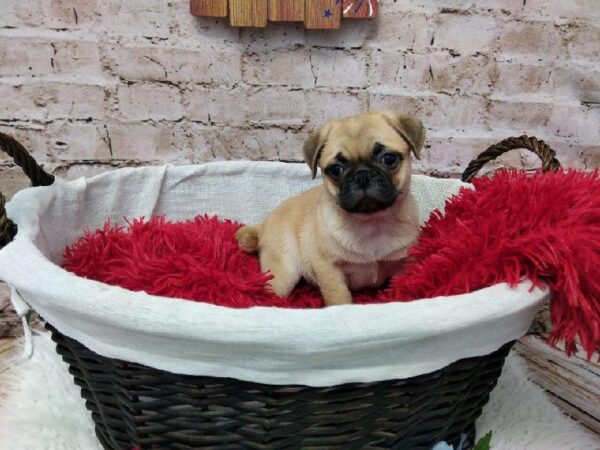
[313, 147]
[409, 127]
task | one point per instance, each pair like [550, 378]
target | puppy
[354, 229]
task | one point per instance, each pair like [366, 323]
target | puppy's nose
[362, 178]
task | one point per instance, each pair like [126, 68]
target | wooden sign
[323, 14]
[209, 8]
[286, 11]
[360, 9]
[248, 13]
[316, 14]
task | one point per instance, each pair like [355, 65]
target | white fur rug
[43, 410]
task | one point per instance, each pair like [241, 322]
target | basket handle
[37, 175]
[537, 146]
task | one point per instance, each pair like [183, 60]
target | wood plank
[566, 385]
[248, 13]
[360, 9]
[323, 14]
[573, 382]
[286, 10]
[586, 420]
[208, 8]
[576, 379]
[577, 363]
[541, 377]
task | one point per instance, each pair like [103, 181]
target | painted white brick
[196, 101]
[289, 146]
[142, 101]
[21, 56]
[52, 14]
[271, 106]
[198, 65]
[576, 123]
[400, 70]
[582, 40]
[200, 138]
[554, 10]
[427, 6]
[144, 141]
[577, 82]
[286, 35]
[462, 74]
[257, 144]
[279, 67]
[437, 111]
[322, 105]
[508, 6]
[77, 57]
[137, 18]
[518, 78]
[451, 155]
[531, 118]
[353, 34]
[334, 68]
[399, 29]
[76, 141]
[464, 34]
[589, 157]
[9, 16]
[540, 39]
[45, 101]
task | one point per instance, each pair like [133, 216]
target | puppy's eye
[335, 170]
[391, 160]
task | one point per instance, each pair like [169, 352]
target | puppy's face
[365, 159]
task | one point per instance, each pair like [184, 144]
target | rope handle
[533, 144]
[37, 175]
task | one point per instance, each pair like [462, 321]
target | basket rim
[103, 317]
[230, 168]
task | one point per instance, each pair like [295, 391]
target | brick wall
[89, 85]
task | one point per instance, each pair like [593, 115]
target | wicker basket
[134, 405]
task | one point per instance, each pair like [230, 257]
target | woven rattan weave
[134, 405]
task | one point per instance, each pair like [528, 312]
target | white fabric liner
[331, 346]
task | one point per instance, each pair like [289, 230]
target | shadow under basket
[137, 406]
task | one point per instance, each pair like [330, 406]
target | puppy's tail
[248, 238]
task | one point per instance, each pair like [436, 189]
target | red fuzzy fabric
[196, 260]
[544, 227]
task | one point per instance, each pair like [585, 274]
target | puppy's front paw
[282, 286]
[340, 297]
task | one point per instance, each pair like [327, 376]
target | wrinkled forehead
[356, 137]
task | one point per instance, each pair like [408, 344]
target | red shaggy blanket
[544, 227]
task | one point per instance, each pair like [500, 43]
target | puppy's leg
[285, 270]
[332, 282]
